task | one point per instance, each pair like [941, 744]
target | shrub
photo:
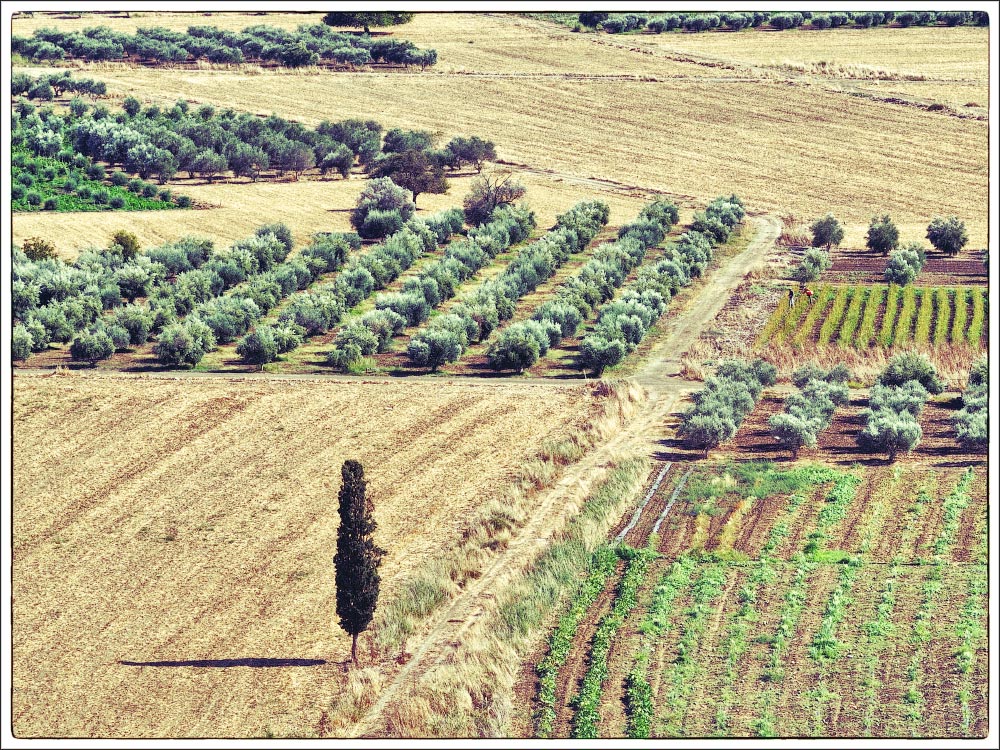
[793, 431]
[514, 349]
[51, 204]
[92, 347]
[184, 201]
[598, 353]
[21, 343]
[434, 347]
[488, 193]
[378, 224]
[889, 432]
[591, 20]
[184, 344]
[95, 171]
[136, 320]
[909, 397]
[903, 267]
[17, 192]
[814, 262]
[33, 198]
[947, 235]
[382, 194]
[882, 236]
[908, 366]
[116, 202]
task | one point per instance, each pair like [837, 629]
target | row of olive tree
[623, 323]
[436, 283]
[735, 21]
[307, 45]
[477, 316]
[722, 405]
[809, 412]
[520, 344]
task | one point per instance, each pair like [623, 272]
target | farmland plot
[211, 538]
[788, 603]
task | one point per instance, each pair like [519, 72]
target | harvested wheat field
[204, 529]
[785, 145]
[235, 208]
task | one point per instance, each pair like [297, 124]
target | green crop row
[943, 303]
[790, 321]
[956, 501]
[836, 313]
[639, 698]
[774, 322]
[588, 700]
[681, 678]
[975, 332]
[922, 332]
[824, 646]
[885, 336]
[866, 331]
[960, 318]
[853, 315]
[904, 324]
[971, 633]
[833, 511]
[816, 308]
[603, 563]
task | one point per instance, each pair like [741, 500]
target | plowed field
[195, 521]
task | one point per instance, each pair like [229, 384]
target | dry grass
[952, 362]
[159, 520]
[955, 53]
[783, 147]
[307, 206]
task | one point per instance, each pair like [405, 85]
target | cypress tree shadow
[223, 663]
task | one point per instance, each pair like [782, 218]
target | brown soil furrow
[676, 531]
[756, 528]
[802, 523]
[572, 672]
[972, 524]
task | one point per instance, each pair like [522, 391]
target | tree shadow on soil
[224, 663]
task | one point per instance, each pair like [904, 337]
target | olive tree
[947, 235]
[882, 236]
[827, 231]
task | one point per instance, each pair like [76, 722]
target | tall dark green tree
[357, 559]
[367, 20]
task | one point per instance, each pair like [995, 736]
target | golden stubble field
[645, 118]
[159, 520]
[306, 206]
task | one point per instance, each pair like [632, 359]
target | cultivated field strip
[858, 316]
[789, 615]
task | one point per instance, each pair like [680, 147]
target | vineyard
[864, 316]
[805, 601]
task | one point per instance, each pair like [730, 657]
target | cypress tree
[357, 559]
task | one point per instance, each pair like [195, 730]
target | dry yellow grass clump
[159, 520]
